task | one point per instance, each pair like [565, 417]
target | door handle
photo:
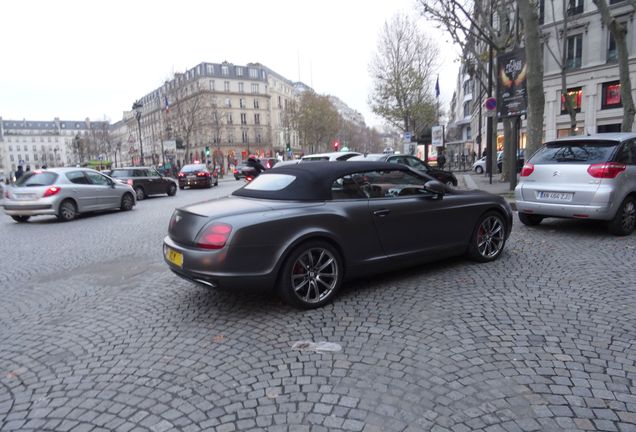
[381, 212]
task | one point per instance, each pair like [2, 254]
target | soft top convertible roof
[313, 180]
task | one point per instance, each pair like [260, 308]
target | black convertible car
[306, 228]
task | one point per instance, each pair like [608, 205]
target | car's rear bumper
[205, 267]
[563, 210]
[195, 183]
[28, 209]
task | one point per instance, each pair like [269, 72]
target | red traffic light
[336, 145]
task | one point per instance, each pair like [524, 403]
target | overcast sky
[78, 59]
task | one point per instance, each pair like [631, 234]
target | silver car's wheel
[67, 211]
[624, 221]
[479, 170]
[127, 202]
[488, 238]
[172, 189]
[20, 219]
[311, 275]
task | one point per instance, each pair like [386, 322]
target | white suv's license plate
[555, 196]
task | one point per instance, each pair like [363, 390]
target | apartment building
[592, 76]
[52, 143]
[226, 110]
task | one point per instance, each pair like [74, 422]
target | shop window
[576, 96]
[611, 96]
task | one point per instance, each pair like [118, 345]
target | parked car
[480, 166]
[269, 162]
[197, 175]
[582, 177]
[65, 193]
[145, 181]
[446, 177]
[331, 156]
[238, 170]
[306, 228]
[520, 161]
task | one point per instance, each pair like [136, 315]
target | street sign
[407, 136]
[490, 104]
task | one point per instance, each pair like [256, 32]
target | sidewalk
[468, 180]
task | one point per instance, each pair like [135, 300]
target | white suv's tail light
[607, 170]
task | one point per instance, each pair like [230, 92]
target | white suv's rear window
[271, 182]
[585, 152]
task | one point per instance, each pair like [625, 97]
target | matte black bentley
[305, 228]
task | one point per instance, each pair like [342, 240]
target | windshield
[36, 178]
[587, 152]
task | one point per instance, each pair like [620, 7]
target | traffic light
[288, 147]
[207, 150]
[336, 145]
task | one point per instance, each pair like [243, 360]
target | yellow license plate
[174, 257]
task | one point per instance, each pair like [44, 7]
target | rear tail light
[181, 174]
[203, 174]
[129, 182]
[51, 191]
[249, 178]
[606, 170]
[214, 236]
[527, 170]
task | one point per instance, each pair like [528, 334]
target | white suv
[582, 177]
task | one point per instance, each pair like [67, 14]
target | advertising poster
[511, 83]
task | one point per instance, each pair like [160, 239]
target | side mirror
[435, 187]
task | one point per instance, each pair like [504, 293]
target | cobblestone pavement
[97, 335]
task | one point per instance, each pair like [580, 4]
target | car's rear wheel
[530, 219]
[141, 194]
[68, 211]
[488, 238]
[127, 202]
[479, 170]
[172, 189]
[181, 187]
[216, 182]
[20, 219]
[311, 275]
[624, 221]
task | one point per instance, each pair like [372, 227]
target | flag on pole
[166, 104]
[437, 87]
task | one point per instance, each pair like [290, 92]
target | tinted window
[140, 173]
[390, 184]
[585, 152]
[348, 187]
[120, 173]
[270, 182]
[34, 178]
[77, 177]
[97, 178]
[315, 158]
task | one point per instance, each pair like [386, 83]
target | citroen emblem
[556, 173]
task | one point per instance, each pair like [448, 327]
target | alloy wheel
[490, 237]
[628, 216]
[314, 275]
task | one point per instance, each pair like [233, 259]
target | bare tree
[534, 83]
[188, 111]
[618, 31]
[403, 72]
[317, 120]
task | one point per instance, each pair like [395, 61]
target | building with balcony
[54, 143]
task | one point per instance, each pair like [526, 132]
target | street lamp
[137, 107]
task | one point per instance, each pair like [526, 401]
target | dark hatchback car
[145, 181]
[446, 177]
[197, 175]
[305, 228]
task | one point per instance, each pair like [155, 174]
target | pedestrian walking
[441, 160]
[19, 173]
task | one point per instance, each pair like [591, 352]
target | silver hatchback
[65, 192]
[582, 177]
